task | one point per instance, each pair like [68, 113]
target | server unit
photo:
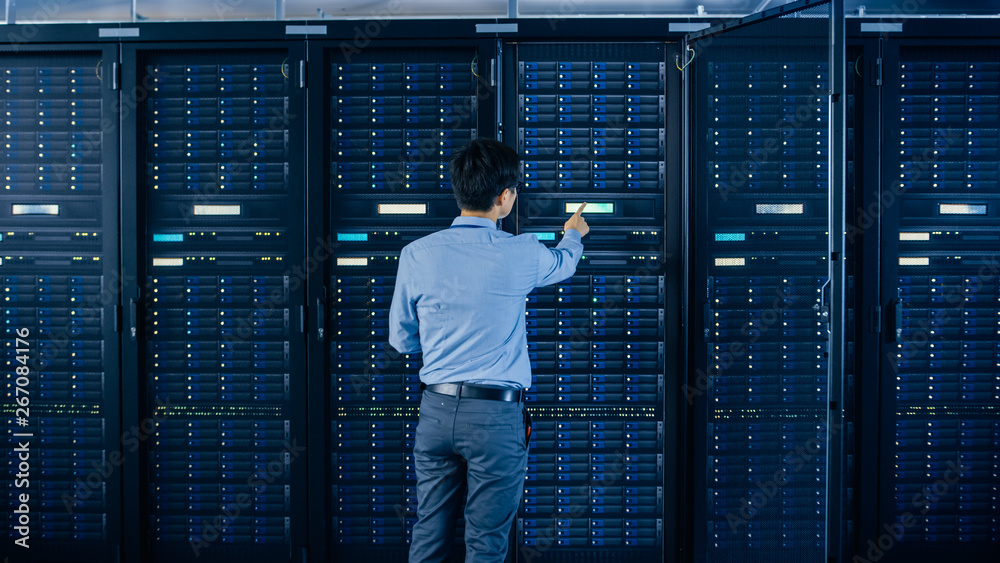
[61, 283]
[760, 142]
[939, 434]
[393, 118]
[220, 148]
[590, 126]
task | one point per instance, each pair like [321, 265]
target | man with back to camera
[459, 299]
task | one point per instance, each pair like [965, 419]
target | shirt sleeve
[559, 263]
[403, 323]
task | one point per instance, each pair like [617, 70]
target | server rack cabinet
[391, 114]
[218, 318]
[938, 429]
[61, 281]
[590, 122]
[760, 143]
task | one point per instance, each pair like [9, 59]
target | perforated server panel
[219, 149]
[760, 245]
[59, 265]
[395, 118]
[940, 388]
[590, 124]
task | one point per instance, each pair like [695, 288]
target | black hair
[481, 171]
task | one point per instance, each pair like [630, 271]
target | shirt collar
[474, 222]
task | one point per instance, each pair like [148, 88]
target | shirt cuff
[574, 235]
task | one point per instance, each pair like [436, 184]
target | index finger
[580, 210]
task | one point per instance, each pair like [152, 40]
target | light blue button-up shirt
[460, 295]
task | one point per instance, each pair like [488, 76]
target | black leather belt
[476, 391]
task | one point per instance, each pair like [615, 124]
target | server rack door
[861, 280]
[760, 143]
[589, 121]
[393, 117]
[219, 166]
[61, 283]
[940, 436]
[864, 244]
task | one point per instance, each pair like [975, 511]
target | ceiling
[51, 11]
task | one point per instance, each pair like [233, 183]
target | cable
[677, 59]
[472, 66]
[283, 64]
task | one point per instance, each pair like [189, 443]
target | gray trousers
[476, 444]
